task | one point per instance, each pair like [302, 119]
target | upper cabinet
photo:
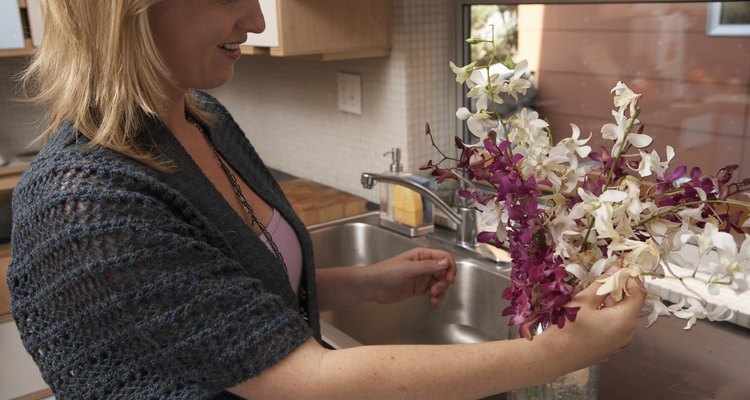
[12, 40]
[323, 29]
[20, 27]
[315, 29]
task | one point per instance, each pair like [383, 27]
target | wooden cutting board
[316, 203]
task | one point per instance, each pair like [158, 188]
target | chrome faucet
[465, 217]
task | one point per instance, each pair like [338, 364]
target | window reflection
[695, 87]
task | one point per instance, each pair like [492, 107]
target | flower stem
[670, 210]
[428, 132]
[633, 118]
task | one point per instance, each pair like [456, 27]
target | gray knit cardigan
[128, 283]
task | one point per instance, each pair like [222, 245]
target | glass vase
[577, 385]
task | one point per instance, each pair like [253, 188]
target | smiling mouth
[230, 46]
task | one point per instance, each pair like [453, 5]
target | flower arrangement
[566, 222]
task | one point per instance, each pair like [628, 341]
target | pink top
[286, 240]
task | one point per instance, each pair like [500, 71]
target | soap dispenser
[403, 209]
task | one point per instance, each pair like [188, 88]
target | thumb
[428, 266]
[589, 298]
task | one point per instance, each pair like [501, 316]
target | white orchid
[462, 73]
[653, 302]
[477, 122]
[640, 255]
[615, 284]
[651, 163]
[491, 214]
[617, 132]
[589, 274]
[542, 165]
[732, 263]
[574, 146]
[692, 309]
[527, 127]
[484, 89]
[516, 84]
[624, 97]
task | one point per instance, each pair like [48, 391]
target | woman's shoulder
[68, 166]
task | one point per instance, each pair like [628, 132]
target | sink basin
[471, 311]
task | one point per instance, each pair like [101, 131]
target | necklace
[238, 193]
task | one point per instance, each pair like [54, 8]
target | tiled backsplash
[288, 108]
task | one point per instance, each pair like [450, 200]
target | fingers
[633, 302]
[435, 260]
[437, 292]
[588, 297]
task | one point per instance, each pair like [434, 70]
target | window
[695, 85]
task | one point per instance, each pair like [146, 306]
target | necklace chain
[238, 193]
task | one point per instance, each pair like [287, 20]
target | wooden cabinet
[13, 38]
[314, 29]
[324, 29]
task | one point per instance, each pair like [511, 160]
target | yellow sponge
[407, 206]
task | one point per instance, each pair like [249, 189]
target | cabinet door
[270, 36]
[11, 32]
[34, 11]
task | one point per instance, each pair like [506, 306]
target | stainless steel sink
[471, 312]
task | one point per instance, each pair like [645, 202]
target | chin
[215, 82]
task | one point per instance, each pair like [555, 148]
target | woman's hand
[419, 271]
[602, 327]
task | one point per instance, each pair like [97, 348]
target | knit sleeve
[120, 290]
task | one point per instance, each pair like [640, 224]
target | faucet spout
[369, 179]
[465, 219]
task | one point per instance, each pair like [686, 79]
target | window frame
[462, 53]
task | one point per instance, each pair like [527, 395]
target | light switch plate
[350, 93]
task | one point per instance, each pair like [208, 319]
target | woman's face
[199, 39]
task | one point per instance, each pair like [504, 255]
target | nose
[252, 18]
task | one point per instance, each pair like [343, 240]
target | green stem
[622, 146]
[670, 210]
[633, 118]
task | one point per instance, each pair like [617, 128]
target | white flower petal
[613, 196]
[463, 113]
[639, 140]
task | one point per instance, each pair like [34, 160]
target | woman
[135, 274]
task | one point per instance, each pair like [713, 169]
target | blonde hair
[99, 68]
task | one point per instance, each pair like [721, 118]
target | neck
[175, 112]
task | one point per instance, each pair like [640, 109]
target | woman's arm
[451, 371]
[418, 271]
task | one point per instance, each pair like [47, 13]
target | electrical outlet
[350, 93]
